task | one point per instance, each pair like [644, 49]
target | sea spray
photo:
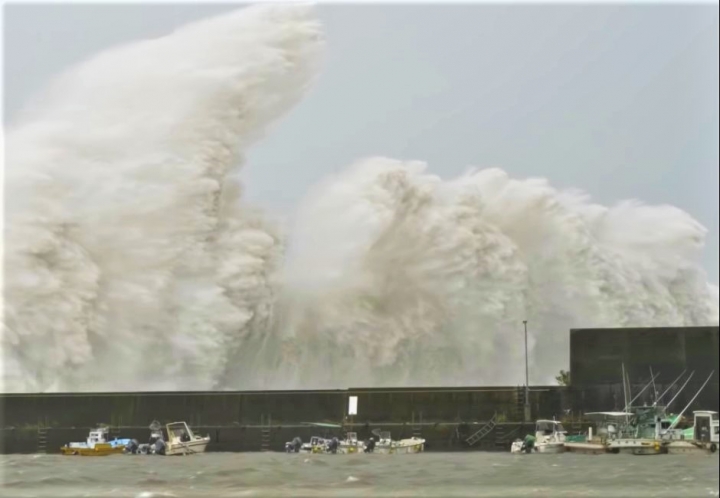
[399, 278]
[125, 268]
[132, 263]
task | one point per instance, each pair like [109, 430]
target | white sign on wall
[352, 405]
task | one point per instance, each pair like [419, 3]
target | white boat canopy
[609, 414]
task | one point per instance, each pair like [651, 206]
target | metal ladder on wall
[41, 440]
[265, 441]
[502, 437]
[520, 403]
[484, 431]
[265, 435]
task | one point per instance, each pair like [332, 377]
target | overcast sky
[619, 101]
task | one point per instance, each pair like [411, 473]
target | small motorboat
[351, 444]
[386, 445]
[549, 438]
[182, 440]
[96, 444]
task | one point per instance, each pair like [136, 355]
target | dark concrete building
[597, 357]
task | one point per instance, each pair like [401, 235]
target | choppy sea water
[428, 474]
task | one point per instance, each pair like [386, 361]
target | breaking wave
[131, 262]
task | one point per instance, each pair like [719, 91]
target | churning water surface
[428, 474]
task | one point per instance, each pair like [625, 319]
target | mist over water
[132, 262]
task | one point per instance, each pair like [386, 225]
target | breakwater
[265, 420]
[220, 408]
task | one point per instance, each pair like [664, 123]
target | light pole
[527, 378]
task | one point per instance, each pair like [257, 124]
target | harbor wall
[255, 421]
[222, 409]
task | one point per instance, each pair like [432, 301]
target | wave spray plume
[129, 261]
[133, 264]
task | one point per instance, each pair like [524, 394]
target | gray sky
[620, 101]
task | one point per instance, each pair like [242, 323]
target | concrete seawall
[246, 408]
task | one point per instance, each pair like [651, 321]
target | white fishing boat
[549, 438]
[606, 427]
[387, 446]
[315, 445]
[182, 440]
[351, 444]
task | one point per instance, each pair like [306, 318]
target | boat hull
[98, 450]
[586, 448]
[636, 446]
[187, 448]
[684, 447]
[541, 448]
[403, 447]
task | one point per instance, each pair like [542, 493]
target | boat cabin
[317, 441]
[179, 432]
[610, 425]
[549, 429]
[649, 422]
[98, 436]
[706, 425]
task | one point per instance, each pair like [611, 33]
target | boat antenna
[653, 382]
[675, 422]
[657, 400]
[650, 383]
[681, 389]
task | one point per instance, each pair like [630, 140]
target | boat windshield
[548, 427]
[179, 431]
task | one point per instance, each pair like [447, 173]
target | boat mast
[681, 390]
[657, 400]
[675, 422]
[653, 382]
[625, 393]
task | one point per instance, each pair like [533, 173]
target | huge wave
[132, 263]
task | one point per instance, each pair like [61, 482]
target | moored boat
[549, 438]
[386, 446]
[350, 444]
[97, 444]
[182, 441]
